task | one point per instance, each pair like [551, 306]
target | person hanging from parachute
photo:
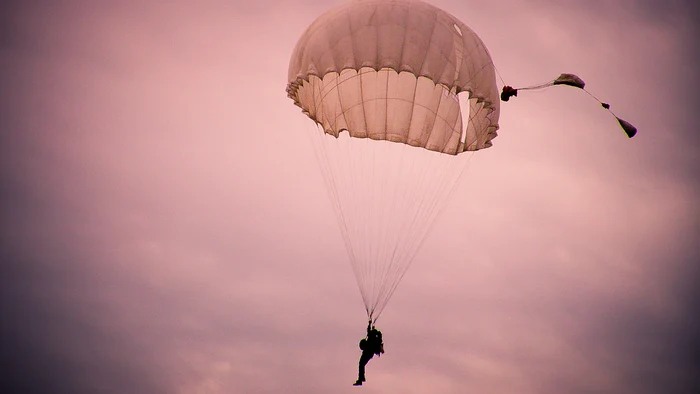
[399, 72]
[575, 81]
[370, 345]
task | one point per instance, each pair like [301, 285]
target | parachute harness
[569, 80]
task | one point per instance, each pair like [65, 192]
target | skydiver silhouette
[370, 346]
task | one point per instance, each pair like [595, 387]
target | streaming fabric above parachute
[575, 81]
[387, 83]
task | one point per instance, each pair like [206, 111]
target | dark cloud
[52, 337]
[55, 325]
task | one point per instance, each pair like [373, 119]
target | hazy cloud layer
[165, 228]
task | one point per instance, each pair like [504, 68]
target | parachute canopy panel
[392, 70]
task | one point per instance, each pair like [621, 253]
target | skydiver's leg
[364, 359]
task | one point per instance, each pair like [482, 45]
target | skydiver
[370, 346]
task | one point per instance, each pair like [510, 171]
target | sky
[165, 227]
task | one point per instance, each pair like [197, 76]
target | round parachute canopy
[391, 70]
[382, 80]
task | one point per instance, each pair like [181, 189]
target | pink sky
[166, 229]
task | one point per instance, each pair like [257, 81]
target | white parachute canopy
[382, 81]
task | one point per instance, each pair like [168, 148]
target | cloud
[165, 229]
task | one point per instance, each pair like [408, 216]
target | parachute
[401, 93]
[382, 82]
